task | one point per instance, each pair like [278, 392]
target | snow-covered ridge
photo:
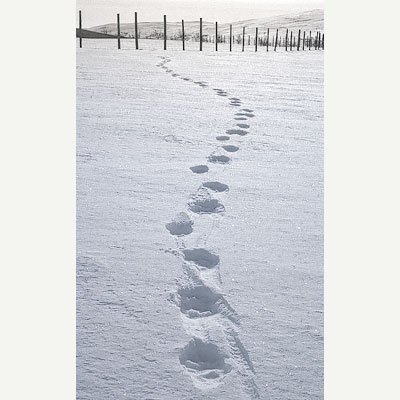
[309, 20]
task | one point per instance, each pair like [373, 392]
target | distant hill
[309, 20]
[86, 34]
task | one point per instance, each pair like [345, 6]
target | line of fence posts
[136, 33]
[318, 42]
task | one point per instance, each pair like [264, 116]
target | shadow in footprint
[230, 148]
[222, 138]
[240, 119]
[247, 110]
[216, 186]
[199, 301]
[241, 114]
[199, 169]
[205, 362]
[206, 206]
[244, 126]
[239, 132]
[201, 257]
[218, 159]
[181, 225]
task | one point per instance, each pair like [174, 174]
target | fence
[316, 42]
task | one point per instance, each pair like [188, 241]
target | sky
[98, 12]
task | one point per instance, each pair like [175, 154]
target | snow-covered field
[190, 284]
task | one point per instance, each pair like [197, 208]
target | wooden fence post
[298, 41]
[286, 41]
[316, 41]
[201, 34]
[319, 40]
[309, 43]
[291, 34]
[256, 39]
[267, 38]
[304, 38]
[323, 41]
[276, 41]
[165, 32]
[243, 38]
[80, 28]
[183, 35]
[118, 32]
[216, 36]
[136, 33]
[230, 37]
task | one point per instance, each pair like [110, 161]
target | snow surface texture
[199, 223]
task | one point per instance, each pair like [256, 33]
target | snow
[199, 283]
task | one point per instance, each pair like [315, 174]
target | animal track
[208, 358]
[204, 361]
[230, 148]
[201, 257]
[216, 186]
[199, 169]
[219, 159]
[181, 225]
[240, 132]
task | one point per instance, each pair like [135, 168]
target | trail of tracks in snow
[215, 349]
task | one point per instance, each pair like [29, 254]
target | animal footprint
[181, 225]
[230, 148]
[203, 203]
[204, 362]
[222, 138]
[240, 132]
[199, 169]
[201, 257]
[244, 114]
[218, 159]
[244, 126]
[216, 186]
